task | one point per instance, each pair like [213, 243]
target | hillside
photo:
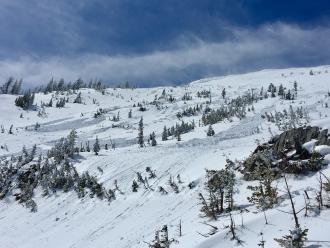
[64, 220]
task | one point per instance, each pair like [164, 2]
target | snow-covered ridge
[63, 220]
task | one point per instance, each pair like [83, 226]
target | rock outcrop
[299, 136]
[285, 153]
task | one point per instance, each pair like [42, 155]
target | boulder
[301, 135]
[289, 152]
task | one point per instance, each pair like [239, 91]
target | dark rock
[328, 142]
[291, 138]
[275, 153]
[322, 138]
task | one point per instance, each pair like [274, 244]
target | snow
[323, 149]
[66, 221]
[309, 146]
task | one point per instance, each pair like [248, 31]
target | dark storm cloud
[158, 42]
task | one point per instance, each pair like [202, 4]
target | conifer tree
[11, 129]
[72, 137]
[164, 134]
[25, 101]
[264, 195]
[33, 153]
[140, 135]
[178, 135]
[78, 98]
[96, 147]
[210, 131]
[135, 186]
[88, 149]
[153, 139]
[281, 90]
[223, 93]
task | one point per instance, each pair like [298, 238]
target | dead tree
[180, 228]
[262, 241]
[297, 236]
[232, 230]
[319, 196]
[294, 213]
[117, 188]
[206, 208]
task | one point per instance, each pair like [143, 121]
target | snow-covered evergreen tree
[223, 93]
[140, 135]
[210, 131]
[96, 146]
[153, 139]
[164, 134]
[78, 98]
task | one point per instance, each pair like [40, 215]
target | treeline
[61, 85]
[11, 86]
[14, 86]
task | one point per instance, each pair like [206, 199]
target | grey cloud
[275, 45]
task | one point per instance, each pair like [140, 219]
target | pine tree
[50, 104]
[32, 154]
[72, 137]
[135, 186]
[153, 139]
[88, 149]
[281, 90]
[60, 103]
[96, 147]
[140, 135]
[5, 89]
[11, 129]
[178, 135]
[210, 131]
[25, 101]
[229, 193]
[223, 93]
[78, 98]
[130, 114]
[264, 195]
[16, 89]
[164, 134]
[288, 96]
[220, 189]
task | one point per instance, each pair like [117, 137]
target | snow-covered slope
[63, 220]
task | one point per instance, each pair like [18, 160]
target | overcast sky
[153, 42]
